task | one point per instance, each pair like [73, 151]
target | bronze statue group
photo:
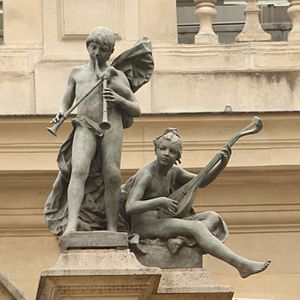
[87, 193]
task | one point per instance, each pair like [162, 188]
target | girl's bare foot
[253, 267]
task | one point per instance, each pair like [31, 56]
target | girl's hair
[103, 35]
[170, 134]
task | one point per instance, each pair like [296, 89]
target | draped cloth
[92, 213]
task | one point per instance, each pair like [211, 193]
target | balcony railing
[212, 21]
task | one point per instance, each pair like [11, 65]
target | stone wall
[258, 194]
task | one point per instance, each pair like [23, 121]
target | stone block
[161, 257]
[94, 240]
[98, 274]
[193, 284]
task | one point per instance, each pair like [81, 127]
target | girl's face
[167, 152]
[98, 51]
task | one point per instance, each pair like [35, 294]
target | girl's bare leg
[208, 242]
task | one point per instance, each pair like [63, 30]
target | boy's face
[98, 51]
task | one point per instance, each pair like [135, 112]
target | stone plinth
[116, 274]
[161, 257]
[94, 240]
[98, 274]
[184, 284]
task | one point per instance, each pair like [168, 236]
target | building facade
[207, 89]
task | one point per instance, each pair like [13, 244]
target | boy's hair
[170, 134]
[103, 35]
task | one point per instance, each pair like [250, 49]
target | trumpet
[108, 73]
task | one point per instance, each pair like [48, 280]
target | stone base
[160, 256]
[98, 274]
[97, 266]
[94, 240]
[184, 284]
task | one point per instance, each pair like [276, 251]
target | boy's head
[102, 35]
[172, 136]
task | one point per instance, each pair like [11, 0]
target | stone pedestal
[116, 274]
[185, 284]
[98, 274]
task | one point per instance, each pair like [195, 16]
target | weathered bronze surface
[86, 192]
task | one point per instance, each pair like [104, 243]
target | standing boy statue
[86, 193]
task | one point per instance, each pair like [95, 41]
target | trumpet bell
[105, 125]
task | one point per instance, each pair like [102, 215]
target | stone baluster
[252, 30]
[294, 14]
[205, 13]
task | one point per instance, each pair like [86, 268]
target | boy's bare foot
[69, 229]
[253, 267]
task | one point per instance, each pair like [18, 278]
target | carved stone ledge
[183, 284]
[98, 273]
[94, 240]
[8, 291]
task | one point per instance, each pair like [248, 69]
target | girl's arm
[183, 176]
[135, 205]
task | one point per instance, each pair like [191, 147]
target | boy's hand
[56, 119]
[111, 96]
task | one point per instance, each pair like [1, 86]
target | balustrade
[294, 14]
[205, 12]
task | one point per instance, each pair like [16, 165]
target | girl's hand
[168, 204]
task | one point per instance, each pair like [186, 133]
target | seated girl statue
[147, 193]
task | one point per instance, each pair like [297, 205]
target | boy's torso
[92, 107]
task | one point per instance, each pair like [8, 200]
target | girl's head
[172, 136]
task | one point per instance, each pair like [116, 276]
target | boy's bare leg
[83, 151]
[111, 147]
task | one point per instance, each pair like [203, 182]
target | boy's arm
[68, 98]
[125, 100]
